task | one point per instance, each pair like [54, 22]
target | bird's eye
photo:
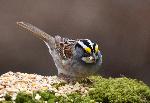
[86, 54]
[96, 48]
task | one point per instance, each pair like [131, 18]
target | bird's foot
[73, 80]
[86, 81]
[67, 78]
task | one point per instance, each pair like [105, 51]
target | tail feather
[36, 31]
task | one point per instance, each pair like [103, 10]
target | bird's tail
[36, 31]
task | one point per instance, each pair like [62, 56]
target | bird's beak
[93, 58]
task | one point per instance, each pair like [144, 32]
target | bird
[73, 58]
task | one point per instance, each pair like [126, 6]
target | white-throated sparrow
[73, 58]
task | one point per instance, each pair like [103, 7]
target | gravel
[12, 83]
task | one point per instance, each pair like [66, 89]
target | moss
[57, 85]
[7, 97]
[102, 90]
[47, 96]
[23, 97]
[74, 98]
[119, 90]
[6, 101]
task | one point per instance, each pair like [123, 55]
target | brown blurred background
[121, 27]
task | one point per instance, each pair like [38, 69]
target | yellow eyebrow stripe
[96, 48]
[87, 49]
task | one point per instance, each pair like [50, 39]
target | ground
[32, 88]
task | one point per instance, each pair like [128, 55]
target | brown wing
[64, 47]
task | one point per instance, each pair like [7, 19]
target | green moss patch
[119, 90]
[57, 85]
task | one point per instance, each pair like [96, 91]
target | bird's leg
[67, 78]
[86, 81]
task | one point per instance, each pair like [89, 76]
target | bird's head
[87, 51]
